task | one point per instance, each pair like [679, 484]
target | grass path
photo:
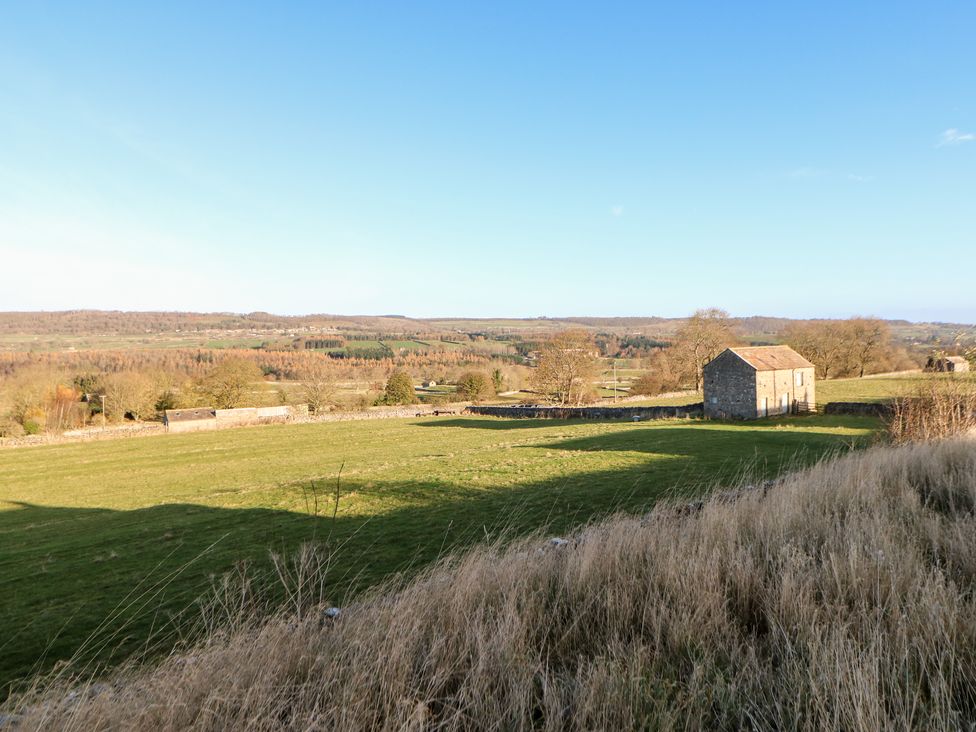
[85, 526]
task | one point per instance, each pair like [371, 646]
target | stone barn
[955, 364]
[190, 420]
[748, 383]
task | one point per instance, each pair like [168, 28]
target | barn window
[714, 400]
[799, 378]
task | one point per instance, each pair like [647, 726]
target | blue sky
[510, 159]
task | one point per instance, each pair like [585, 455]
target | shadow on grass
[105, 584]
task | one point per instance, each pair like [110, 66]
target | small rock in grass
[558, 541]
[332, 612]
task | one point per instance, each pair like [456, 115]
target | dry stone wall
[859, 409]
[623, 413]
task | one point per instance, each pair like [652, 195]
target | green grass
[406, 345]
[673, 401]
[139, 527]
[876, 388]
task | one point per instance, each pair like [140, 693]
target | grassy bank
[841, 598]
[103, 545]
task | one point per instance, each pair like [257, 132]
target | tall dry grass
[841, 598]
[939, 408]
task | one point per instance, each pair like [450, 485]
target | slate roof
[772, 358]
[190, 415]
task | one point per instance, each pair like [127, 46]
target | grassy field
[103, 545]
[26, 342]
[877, 388]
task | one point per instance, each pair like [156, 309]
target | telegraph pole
[102, 397]
[614, 381]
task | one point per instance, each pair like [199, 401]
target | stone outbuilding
[190, 420]
[208, 418]
[955, 364]
[748, 383]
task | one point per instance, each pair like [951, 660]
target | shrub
[497, 379]
[32, 427]
[10, 428]
[399, 389]
[649, 384]
[474, 385]
[167, 400]
[940, 408]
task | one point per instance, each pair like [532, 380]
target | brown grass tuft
[841, 598]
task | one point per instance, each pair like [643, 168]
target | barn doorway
[764, 407]
[784, 403]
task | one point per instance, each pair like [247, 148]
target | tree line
[568, 362]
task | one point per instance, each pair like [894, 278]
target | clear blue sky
[782, 158]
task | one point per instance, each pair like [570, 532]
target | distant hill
[116, 322]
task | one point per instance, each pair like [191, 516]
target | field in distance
[105, 544]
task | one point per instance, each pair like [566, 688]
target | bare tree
[868, 339]
[319, 387]
[567, 364]
[703, 336]
[129, 392]
[822, 342]
[229, 383]
[842, 347]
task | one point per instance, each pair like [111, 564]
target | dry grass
[840, 598]
[939, 408]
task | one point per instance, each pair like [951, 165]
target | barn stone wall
[775, 385]
[192, 425]
[729, 385]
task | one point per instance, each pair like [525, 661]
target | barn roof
[956, 359]
[772, 358]
[190, 415]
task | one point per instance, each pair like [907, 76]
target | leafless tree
[705, 334]
[567, 364]
[229, 384]
[822, 342]
[868, 339]
[129, 392]
[319, 387]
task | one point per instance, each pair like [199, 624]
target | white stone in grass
[332, 612]
[558, 541]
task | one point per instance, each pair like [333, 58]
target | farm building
[955, 364]
[748, 383]
[207, 418]
[190, 420]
